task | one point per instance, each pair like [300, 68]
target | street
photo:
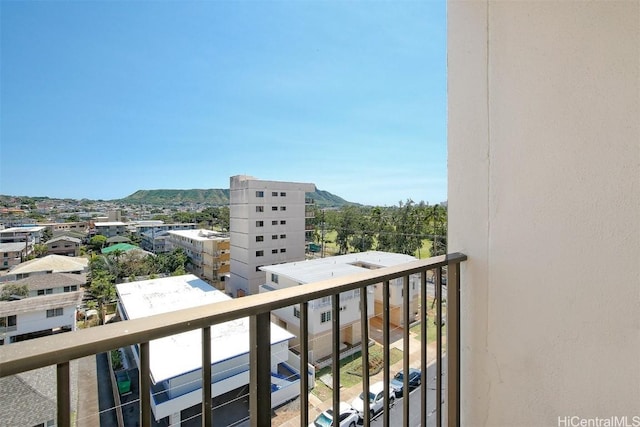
[395, 418]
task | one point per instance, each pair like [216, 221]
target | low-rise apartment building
[208, 253]
[30, 234]
[175, 362]
[299, 273]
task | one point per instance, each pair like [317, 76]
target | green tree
[103, 291]
[97, 242]
[40, 250]
[11, 289]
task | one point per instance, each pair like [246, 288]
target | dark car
[398, 381]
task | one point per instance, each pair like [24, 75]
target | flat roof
[108, 224]
[200, 234]
[179, 354]
[23, 229]
[318, 269]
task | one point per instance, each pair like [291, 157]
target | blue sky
[100, 99]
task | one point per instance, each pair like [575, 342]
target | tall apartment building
[208, 253]
[267, 226]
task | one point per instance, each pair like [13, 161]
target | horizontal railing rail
[61, 349]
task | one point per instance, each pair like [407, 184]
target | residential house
[52, 283]
[175, 363]
[267, 226]
[13, 254]
[32, 317]
[208, 253]
[47, 264]
[110, 228]
[64, 245]
[300, 273]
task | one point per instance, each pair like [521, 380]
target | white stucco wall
[544, 198]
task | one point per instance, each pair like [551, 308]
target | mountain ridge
[215, 196]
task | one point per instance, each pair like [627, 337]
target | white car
[348, 417]
[376, 399]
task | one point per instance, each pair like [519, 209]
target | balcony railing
[60, 349]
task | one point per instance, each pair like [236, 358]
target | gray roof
[53, 280]
[12, 247]
[67, 238]
[29, 398]
[39, 303]
[22, 405]
[118, 239]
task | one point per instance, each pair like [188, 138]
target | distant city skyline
[101, 99]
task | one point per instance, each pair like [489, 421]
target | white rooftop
[109, 224]
[318, 269]
[200, 234]
[179, 354]
[23, 229]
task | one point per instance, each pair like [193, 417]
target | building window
[283, 236]
[258, 267]
[283, 208]
[283, 222]
[274, 222]
[274, 278]
[325, 317]
[259, 238]
[283, 250]
[8, 321]
[40, 292]
[259, 193]
[274, 193]
[259, 223]
[274, 251]
[296, 312]
[72, 288]
[259, 253]
[274, 208]
[283, 194]
[259, 208]
[48, 291]
[54, 312]
[274, 237]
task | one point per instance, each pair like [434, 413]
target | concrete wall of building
[544, 198]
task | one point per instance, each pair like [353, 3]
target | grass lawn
[425, 250]
[431, 326]
[351, 370]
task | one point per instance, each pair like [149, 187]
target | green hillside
[216, 197]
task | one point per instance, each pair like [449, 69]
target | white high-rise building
[267, 226]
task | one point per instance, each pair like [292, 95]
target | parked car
[376, 399]
[348, 417]
[398, 381]
[124, 382]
